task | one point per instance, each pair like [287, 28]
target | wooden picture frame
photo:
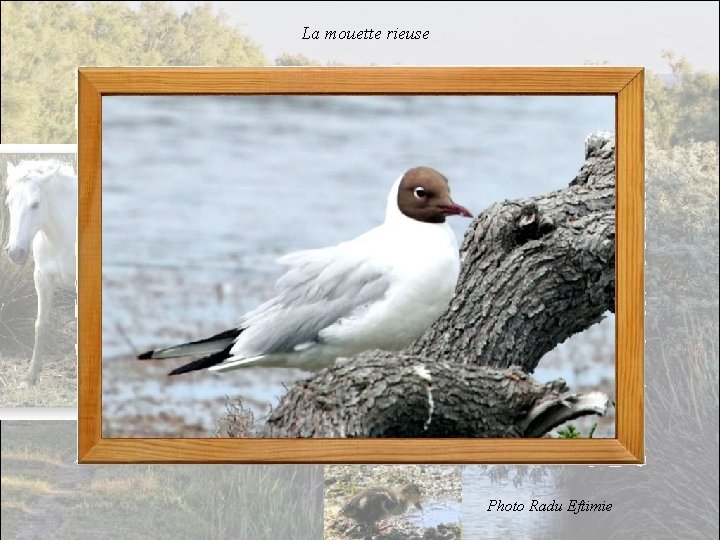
[625, 84]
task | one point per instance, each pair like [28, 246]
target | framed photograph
[360, 265]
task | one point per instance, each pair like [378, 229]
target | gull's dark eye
[420, 192]
[35, 205]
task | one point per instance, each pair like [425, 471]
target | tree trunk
[534, 272]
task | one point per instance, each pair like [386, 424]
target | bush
[684, 108]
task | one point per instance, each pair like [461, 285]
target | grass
[571, 432]
[32, 455]
[143, 501]
[24, 484]
[212, 502]
[37, 441]
[56, 387]
[238, 422]
[17, 307]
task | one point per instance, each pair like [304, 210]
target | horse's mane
[30, 169]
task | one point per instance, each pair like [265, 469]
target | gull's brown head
[424, 195]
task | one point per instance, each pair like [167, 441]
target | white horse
[42, 202]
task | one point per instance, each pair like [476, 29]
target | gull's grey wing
[321, 287]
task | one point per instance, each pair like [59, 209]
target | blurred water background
[201, 194]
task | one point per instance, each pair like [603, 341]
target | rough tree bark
[534, 272]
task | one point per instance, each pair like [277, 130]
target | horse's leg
[45, 291]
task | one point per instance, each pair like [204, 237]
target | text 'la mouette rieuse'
[366, 34]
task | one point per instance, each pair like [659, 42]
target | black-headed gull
[381, 290]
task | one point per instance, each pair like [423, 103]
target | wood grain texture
[358, 451]
[630, 287]
[364, 80]
[625, 83]
[89, 269]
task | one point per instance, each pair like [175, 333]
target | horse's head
[25, 205]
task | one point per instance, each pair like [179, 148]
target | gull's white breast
[423, 262]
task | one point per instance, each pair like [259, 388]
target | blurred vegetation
[32, 452]
[287, 59]
[43, 44]
[265, 502]
[682, 268]
[44, 493]
[683, 109]
[682, 194]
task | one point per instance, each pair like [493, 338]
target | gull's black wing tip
[203, 363]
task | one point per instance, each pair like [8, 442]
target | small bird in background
[381, 290]
[374, 504]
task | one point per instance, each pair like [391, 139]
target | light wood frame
[626, 84]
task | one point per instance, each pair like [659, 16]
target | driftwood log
[534, 272]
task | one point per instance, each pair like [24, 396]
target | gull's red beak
[455, 210]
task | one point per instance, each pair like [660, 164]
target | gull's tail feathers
[204, 362]
[243, 363]
[209, 346]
